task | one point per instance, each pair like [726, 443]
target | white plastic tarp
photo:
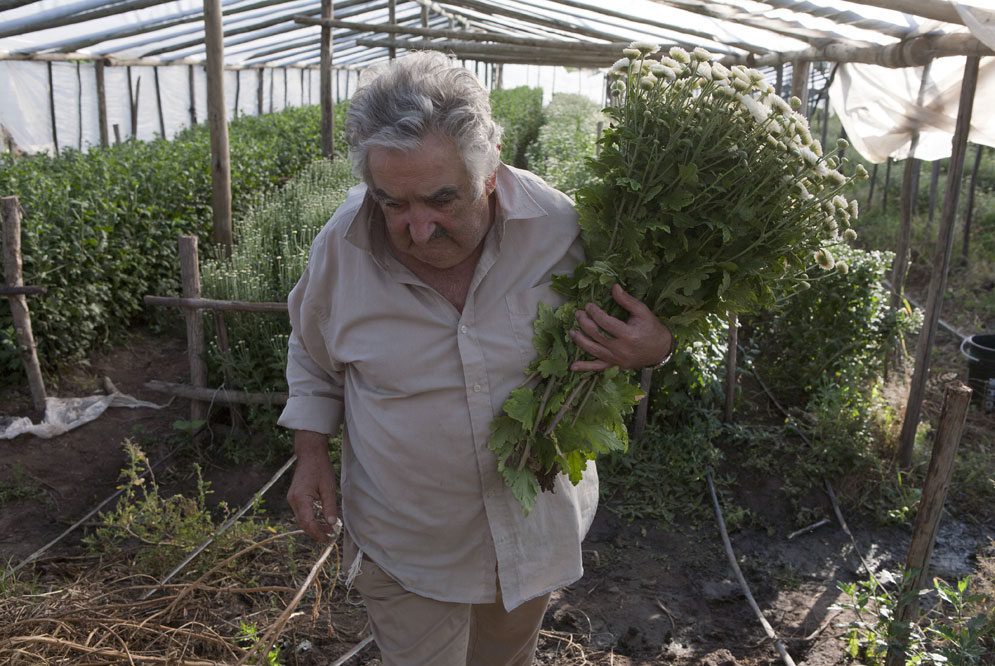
[879, 108]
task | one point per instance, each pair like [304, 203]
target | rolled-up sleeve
[315, 380]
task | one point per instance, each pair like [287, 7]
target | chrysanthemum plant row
[710, 197]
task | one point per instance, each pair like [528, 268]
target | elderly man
[411, 325]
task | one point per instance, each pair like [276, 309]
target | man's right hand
[314, 480]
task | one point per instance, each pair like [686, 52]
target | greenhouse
[762, 304]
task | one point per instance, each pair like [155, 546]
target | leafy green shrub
[565, 140]
[271, 252]
[842, 327]
[519, 112]
[99, 228]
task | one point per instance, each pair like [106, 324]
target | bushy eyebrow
[442, 195]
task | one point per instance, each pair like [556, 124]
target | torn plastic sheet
[65, 414]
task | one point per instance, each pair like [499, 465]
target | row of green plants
[567, 137]
[99, 227]
[519, 112]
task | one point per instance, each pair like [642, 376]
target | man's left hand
[640, 341]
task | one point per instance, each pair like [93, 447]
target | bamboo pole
[941, 465]
[10, 211]
[907, 199]
[218, 121]
[325, 86]
[941, 265]
[190, 280]
[979, 151]
[101, 103]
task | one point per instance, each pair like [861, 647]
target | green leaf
[524, 486]
[522, 405]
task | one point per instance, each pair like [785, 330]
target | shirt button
[476, 388]
[463, 329]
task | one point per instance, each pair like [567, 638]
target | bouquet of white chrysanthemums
[710, 197]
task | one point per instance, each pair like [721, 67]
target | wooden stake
[217, 118]
[941, 466]
[941, 265]
[117, 134]
[979, 151]
[887, 184]
[191, 89]
[10, 211]
[325, 87]
[934, 180]
[101, 103]
[190, 280]
[158, 103]
[731, 367]
[259, 92]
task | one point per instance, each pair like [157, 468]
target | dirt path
[650, 595]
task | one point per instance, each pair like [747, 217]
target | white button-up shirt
[417, 382]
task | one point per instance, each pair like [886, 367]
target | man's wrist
[670, 354]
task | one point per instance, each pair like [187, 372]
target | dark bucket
[980, 353]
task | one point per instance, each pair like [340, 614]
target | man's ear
[491, 183]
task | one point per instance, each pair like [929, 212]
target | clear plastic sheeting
[65, 414]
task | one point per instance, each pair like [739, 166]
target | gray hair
[400, 103]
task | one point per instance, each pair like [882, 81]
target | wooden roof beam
[493, 9]
[848, 18]
[913, 52]
[603, 53]
[939, 10]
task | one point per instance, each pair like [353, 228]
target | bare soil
[650, 595]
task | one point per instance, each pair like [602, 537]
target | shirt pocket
[523, 308]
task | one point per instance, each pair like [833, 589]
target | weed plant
[160, 530]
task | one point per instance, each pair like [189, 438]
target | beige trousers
[411, 630]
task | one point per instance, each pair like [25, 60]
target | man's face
[425, 194]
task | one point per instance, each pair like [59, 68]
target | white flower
[837, 178]
[853, 208]
[783, 107]
[809, 156]
[704, 70]
[648, 81]
[815, 146]
[646, 48]
[757, 110]
[663, 70]
[774, 127]
[720, 71]
[839, 202]
[621, 65]
[632, 54]
[740, 84]
[850, 235]
[680, 55]
[861, 172]
[702, 54]
[825, 259]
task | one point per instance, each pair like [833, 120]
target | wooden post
[217, 118]
[79, 105]
[158, 102]
[101, 103]
[221, 331]
[934, 180]
[190, 281]
[907, 205]
[887, 184]
[800, 70]
[238, 89]
[870, 194]
[10, 211]
[133, 101]
[259, 92]
[117, 134]
[941, 466]
[191, 85]
[941, 265]
[325, 88]
[392, 19]
[51, 107]
[731, 367]
[979, 151]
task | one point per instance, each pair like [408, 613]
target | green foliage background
[519, 112]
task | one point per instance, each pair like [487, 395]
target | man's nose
[421, 225]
